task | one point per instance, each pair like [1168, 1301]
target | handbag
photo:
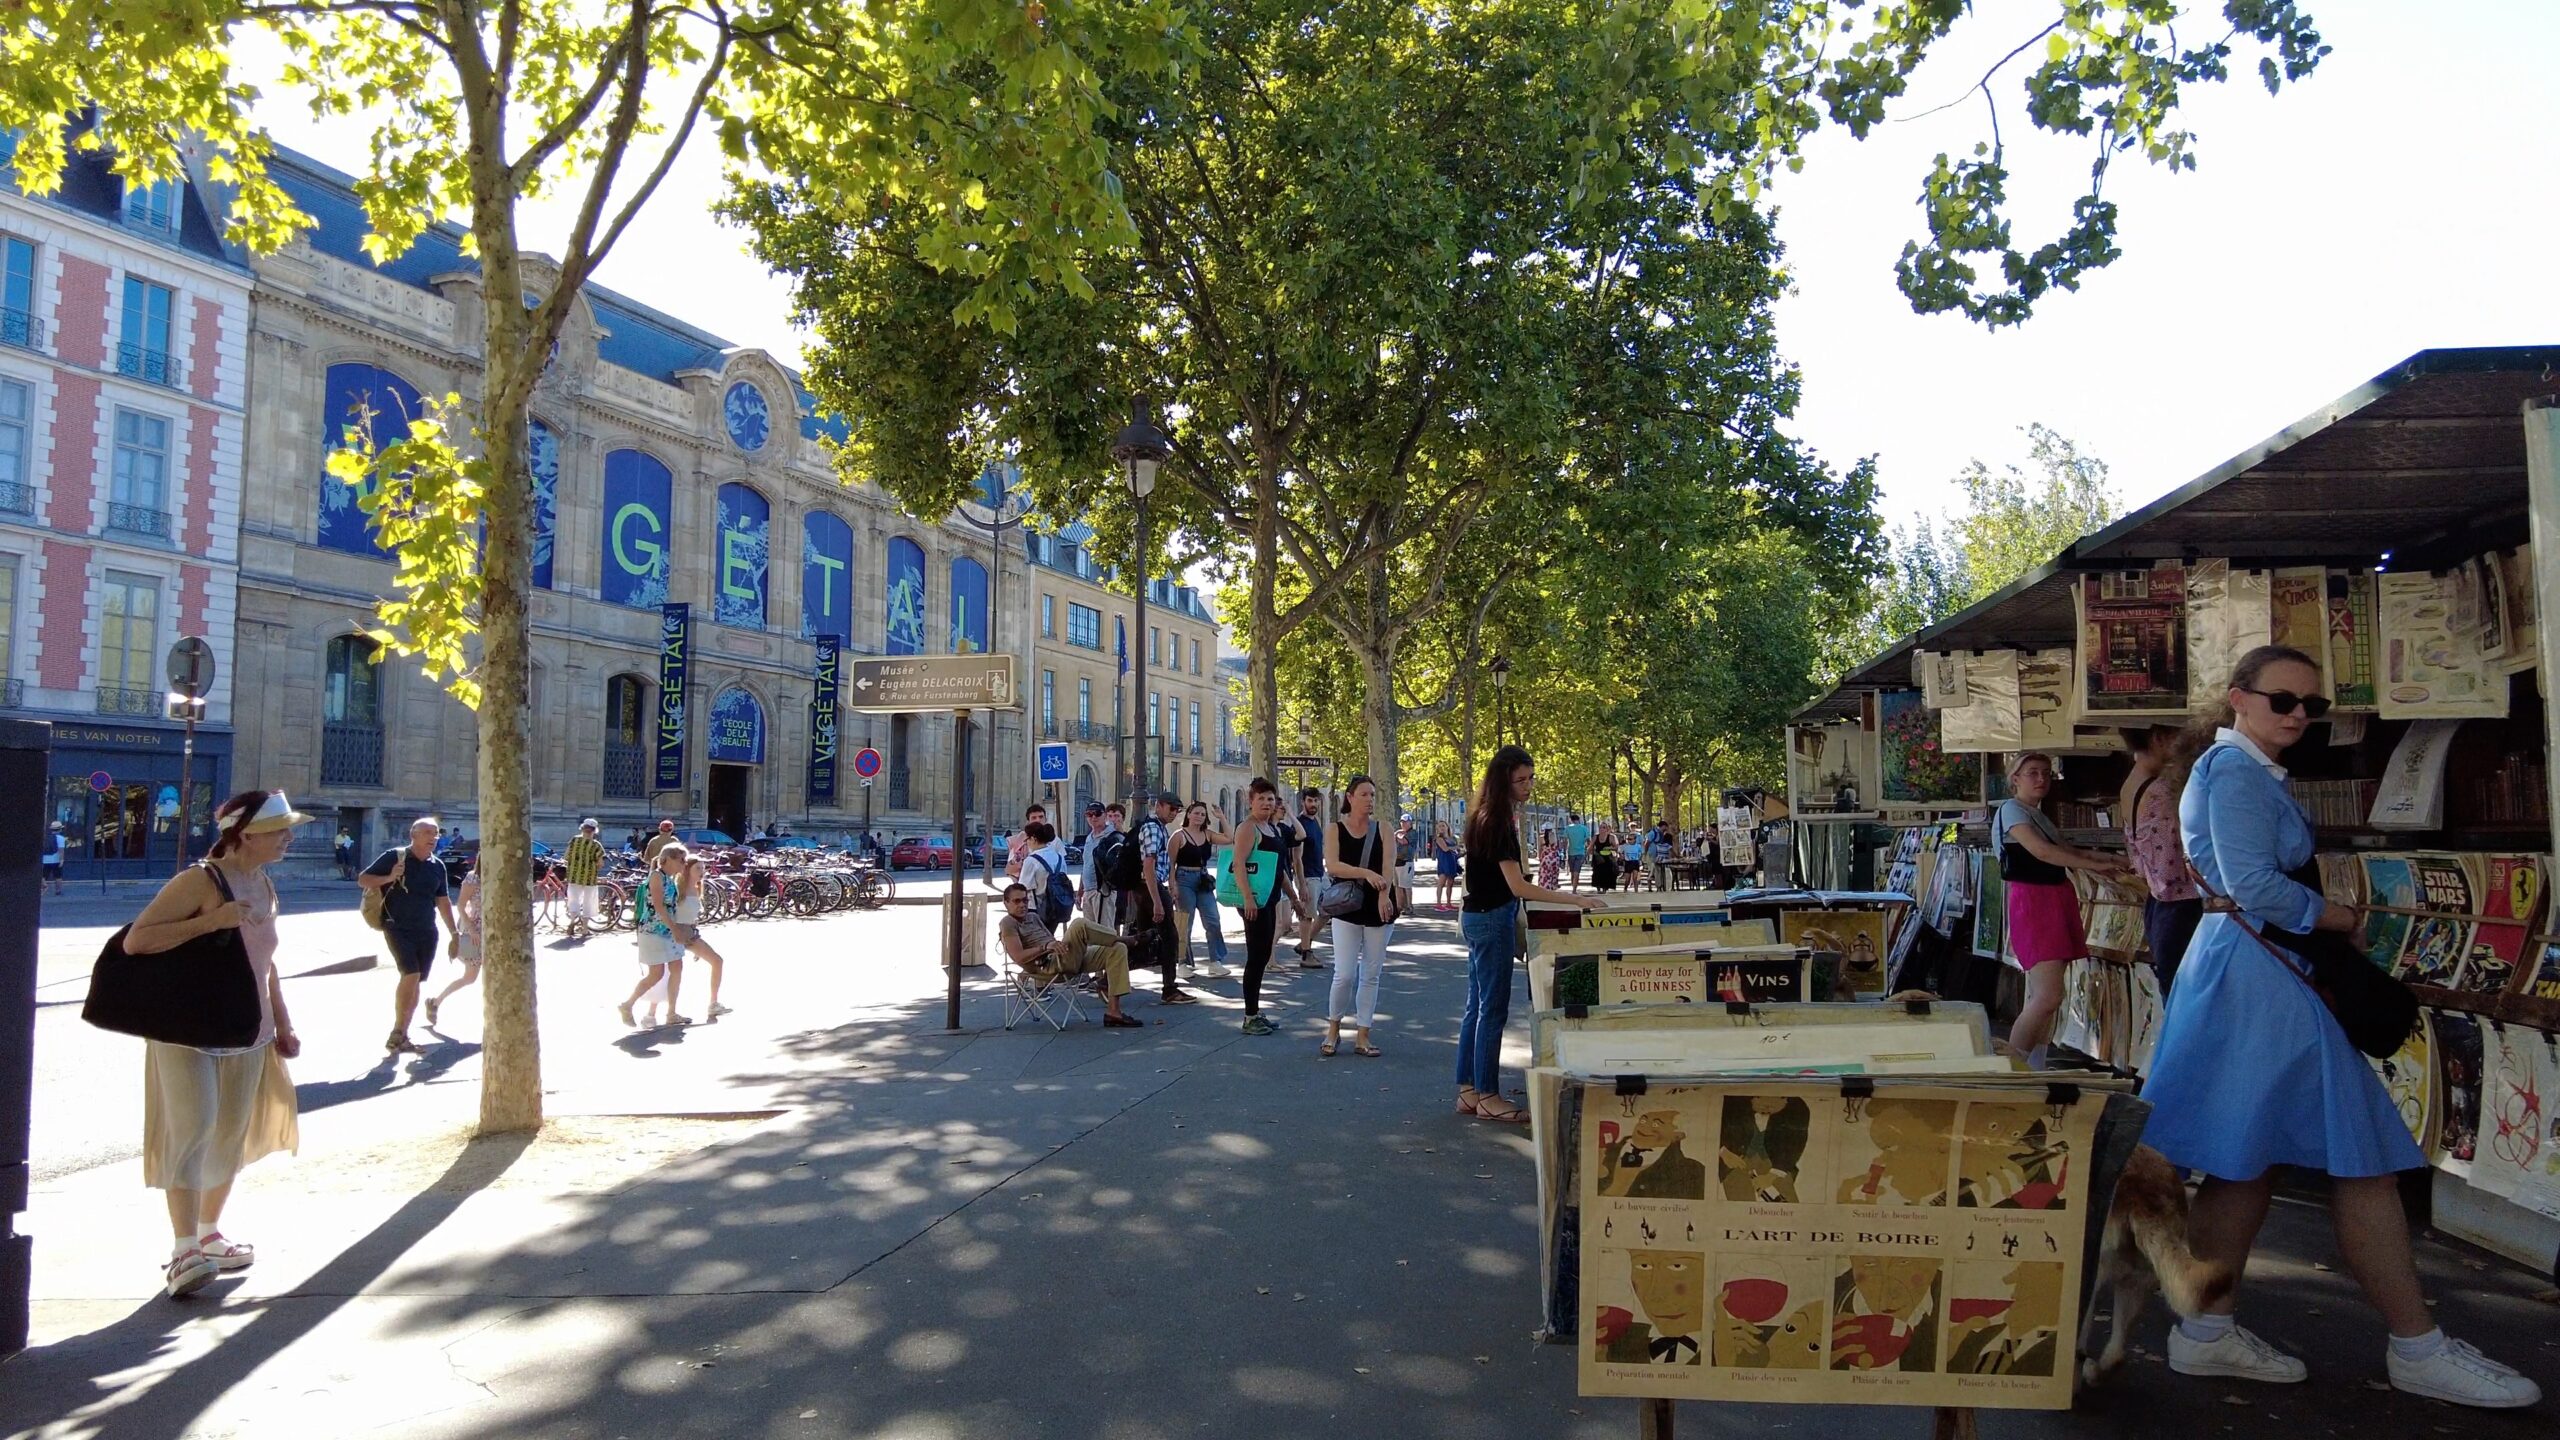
[2375, 1009]
[1262, 866]
[1341, 899]
[201, 994]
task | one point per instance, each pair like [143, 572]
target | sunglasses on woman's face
[2283, 702]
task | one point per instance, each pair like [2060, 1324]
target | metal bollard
[25, 746]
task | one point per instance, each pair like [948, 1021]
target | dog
[2145, 1246]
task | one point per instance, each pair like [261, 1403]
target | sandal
[1366, 1051]
[1181, 997]
[1122, 1022]
[1327, 1048]
[225, 1254]
[1468, 1098]
[401, 1044]
[1509, 1114]
[188, 1273]
[431, 1012]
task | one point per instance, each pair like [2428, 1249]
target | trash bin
[973, 932]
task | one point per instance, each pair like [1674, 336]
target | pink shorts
[2044, 924]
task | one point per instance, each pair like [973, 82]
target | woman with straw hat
[207, 1113]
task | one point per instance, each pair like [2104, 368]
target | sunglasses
[2283, 701]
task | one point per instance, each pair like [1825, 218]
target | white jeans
[1359, 951]
[582, 902]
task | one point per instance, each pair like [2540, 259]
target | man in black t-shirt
[415, 893]
[1310, 877]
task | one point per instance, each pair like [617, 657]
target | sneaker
[189, 1273]
[2462, 1375]
[2239, 1355]
[1257, 1025]
[1189, 970]
[1211, 971]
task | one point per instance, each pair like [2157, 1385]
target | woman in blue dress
[2253, 1072]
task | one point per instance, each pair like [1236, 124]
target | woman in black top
[1364, 854]
[1195, 890]
[1272, 836]
[1491, 921]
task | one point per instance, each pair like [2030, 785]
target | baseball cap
[1093, 807]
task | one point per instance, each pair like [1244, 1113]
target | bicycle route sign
[934, 682]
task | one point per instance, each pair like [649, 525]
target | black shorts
[413, 953]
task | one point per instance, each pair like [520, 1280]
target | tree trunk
[1467, 733]
[1262, 659]
[511, 1061]
[1379, 723]
[1672, 782]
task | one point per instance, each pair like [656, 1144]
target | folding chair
[1046, 993]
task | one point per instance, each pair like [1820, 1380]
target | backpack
[1118, 862]
[1055, 895]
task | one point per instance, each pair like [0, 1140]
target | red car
[922, 852]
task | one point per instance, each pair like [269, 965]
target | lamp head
[1140, 449]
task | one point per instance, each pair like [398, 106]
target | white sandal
[190, 1271]
[226, 1254]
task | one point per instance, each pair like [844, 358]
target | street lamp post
[1501, 669]
[1139, 449]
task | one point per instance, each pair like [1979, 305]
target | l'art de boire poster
[1744, 1240]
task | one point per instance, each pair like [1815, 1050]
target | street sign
[190, 666]
[1053, 762]
[1300, 762]
[866, 762]
[934, 682]
[101, 781]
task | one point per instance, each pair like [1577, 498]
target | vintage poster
[2514, 1123]
[2298, 615]
[2437, 945]
[2111, 916]
[2538, 1184]
[1943, 680]
[2457, 1092]
[2524, 629]
[1783, 1243]
[2227, 617]
[2509, 887]
[1857, 935]
[2133, 643]
[2411, 793]
[2044, 699]
[1917, 766]
[2351, 632]
[2388, 882]
[1990, 721]
[2247, 601]
[1990, 906]
[2342, 877]
[2430, 667]
[1652, 979]
[2410, 1077]
[2543, 981]
[1760, 979]
[2478, 602]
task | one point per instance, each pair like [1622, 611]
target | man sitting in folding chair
[1044, 962]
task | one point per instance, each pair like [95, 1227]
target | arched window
[639, 500]
[355, 689]
[1084, 791]
[903, 623]
[745, 530]
[626, 736]
[358, 403]
[968, 607]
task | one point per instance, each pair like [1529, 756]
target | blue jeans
[1490, 935]
[1197, 892]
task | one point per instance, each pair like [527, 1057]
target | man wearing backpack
[1155, 845]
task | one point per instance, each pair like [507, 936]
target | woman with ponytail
[208, 1113]
[2253, 1071]
[1491, 920]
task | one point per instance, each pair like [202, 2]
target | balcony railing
[351, 754]
[138, 520]
[1049, 727]
[1099, 734]
[626, 769]
[1236, 758]
[13, 694]
[128, 700]
[19, 328]
[17, 499]
[152, 367]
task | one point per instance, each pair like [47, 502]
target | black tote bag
[202, 994]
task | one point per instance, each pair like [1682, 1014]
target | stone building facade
[124, 324]
[1084, 659]
[670, 467]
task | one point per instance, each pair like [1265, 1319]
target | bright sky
[2402, 198]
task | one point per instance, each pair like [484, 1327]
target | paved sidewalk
[1122, 1235]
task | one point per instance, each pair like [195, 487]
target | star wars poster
[2437, 945]
[1743, 1240]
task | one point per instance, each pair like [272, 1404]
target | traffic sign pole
[951, 942]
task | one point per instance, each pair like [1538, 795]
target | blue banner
[745, 525]
[737, 728]
[904, 631]
[639, 497]
[366, 401]
[822, 725]
[675, 646]
[968, 607]
[542, 457]
[826, 576]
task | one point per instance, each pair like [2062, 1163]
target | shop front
[114, 791]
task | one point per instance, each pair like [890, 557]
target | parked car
[921, 852]
[766, 845]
